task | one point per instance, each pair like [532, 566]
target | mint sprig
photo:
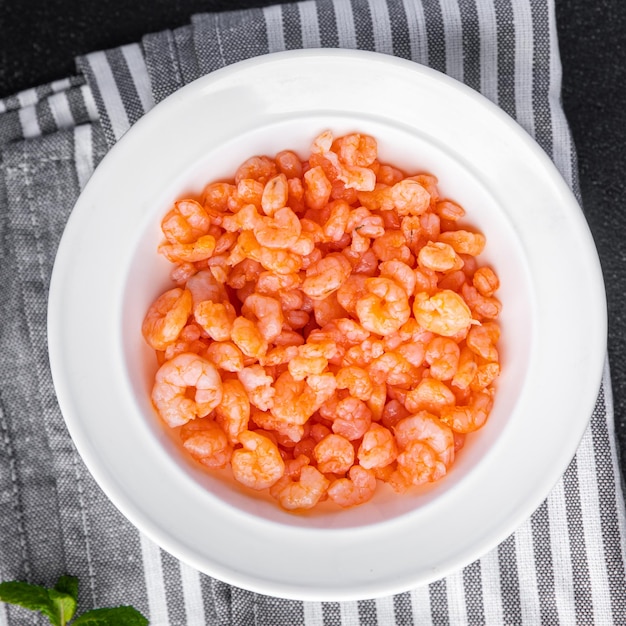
[59, 604]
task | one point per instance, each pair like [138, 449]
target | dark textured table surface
[40, 38]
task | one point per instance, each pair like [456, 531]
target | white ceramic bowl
[108, 271]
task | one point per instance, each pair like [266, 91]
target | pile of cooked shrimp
[331, 326]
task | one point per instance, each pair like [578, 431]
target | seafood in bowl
[330, 326]
[537, 245]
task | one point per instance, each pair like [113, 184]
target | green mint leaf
[68, 585]
[119, 616]
[64, 606]
[31, 597]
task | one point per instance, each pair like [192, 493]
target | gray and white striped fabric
[565, 565]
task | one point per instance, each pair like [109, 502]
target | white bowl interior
[148, 276]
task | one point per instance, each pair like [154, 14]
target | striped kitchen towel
[564, 565]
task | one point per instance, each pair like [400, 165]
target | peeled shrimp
[427, 450]
[258, 464]
[206, 442]
[304, 492]
[384, 308]
[326, 276]
[358, 488]
[233, 412]
[378, 447]
[185, 373]
[166, 318]
[445, 313]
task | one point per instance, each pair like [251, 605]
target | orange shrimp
[442, 354]
[317, 188]
[226, 356]
[275, 194]
[233, 412]
[486, 281]
[392, 246]
[440, 257]
[203, 286]
[468, 418]
[402, 273]
[352, 290]
[427, 450]
[185, 222]
[258, 464]
[258, 386]
[326, 276]
[248, 338]
[356, 150]
[334, 454]
[198, 250]
[259, 168]
[444, 313]
[464, 241]
[281, 231]
[378, 447]
[266, 313]
[304, 492]
[356, 380]
[186, 372]
[206, 442]
[166, 318]
[352, 418]
[215, 318]
[358, 488]
[409, 197]
[384, 308]
[430, 394]
[481, 340]
[296, 400]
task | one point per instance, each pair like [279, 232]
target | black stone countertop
[40, 38]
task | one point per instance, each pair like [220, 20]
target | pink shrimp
[442, 354]
[226, 356]
[384, 308]
[185, 222]
[198, 250]
[358, 488]
[267, 313]
[281, 231]
[378, 447]
[258, 464]
[326, 276]
[258, 386]
[486, 281]
[317, 188]
[303, 492]
[334, 454]
[402, 273]
[471, 417]
[248, 338]
[203, 286]
[233, 412]
[167, 317]
[296, 400]
[274, 194]
[206, 442]
[430, 394]
[352, 418]
[440, 257]
[427, 446]
[215, 318]
[409, 197]
[356, 380]
[464, 241]
[175, 379]
[444, 313]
